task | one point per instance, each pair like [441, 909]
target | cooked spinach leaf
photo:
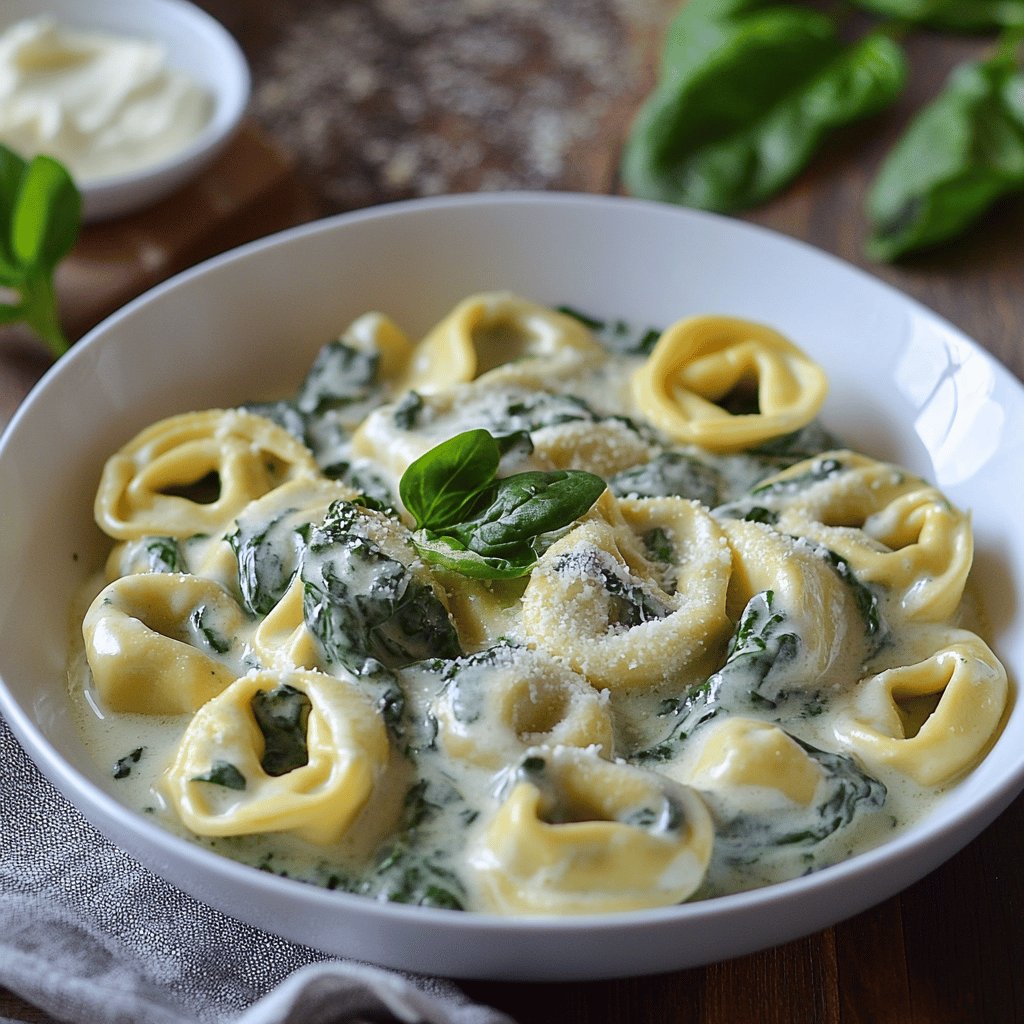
[268, 554]
[748, 90]
[163, 554]
[958, 156]
[222, 773]
[340, 375]
[669, 474]
[123, 765]
[282, 715]
[365, 608]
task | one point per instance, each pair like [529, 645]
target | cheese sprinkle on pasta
[749, 658]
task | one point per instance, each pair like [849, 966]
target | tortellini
[619, 614]
[495, 705]
[929, 719]
[157, 483]
[579, 834]
[702, 364]
[745, 659]
[161, 643]
[279, 752]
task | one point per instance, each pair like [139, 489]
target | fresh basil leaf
[448, 554]
[446, 483]
[40, 214]
[44, 222]
[747, 93]
[958, 15]
[525, 506]
[959, 154]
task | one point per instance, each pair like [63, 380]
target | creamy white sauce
[448, 799]
[102, 104]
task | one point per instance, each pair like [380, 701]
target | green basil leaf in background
[525, 506]
[45, 219]
[958, 155]
[958, 15]
[747, 93]
[445, 484]
[40, 216]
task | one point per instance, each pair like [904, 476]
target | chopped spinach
[365, 608]
[123, 765]
[618, 336]
[222, 773]
[671, 473]
[206, 634]
[282, 715]
[268, 555]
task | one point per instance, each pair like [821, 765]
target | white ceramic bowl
[197, 45]
[905, 385]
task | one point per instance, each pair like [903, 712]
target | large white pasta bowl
[905, 385]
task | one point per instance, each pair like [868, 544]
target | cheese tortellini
[745, 659]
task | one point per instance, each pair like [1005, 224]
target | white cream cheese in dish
[103, 104]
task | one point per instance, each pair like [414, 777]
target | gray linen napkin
[92, 937]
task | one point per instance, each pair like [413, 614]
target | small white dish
[197, 45]
[905, 385]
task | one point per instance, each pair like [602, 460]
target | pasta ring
[143, 637]
[699, 362]
[971, 687]
[740, 753]
[499, 335]
[584, 584]
[346, 752]
[249, 455]
[282, 640]
[889, 526]
[579, 834]
[498, 704]
[805, 589]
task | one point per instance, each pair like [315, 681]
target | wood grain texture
[949, 949]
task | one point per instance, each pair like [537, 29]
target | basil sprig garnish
[473, 522]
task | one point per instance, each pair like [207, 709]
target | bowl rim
[898, 852]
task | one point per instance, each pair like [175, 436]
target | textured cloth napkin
[91, 937]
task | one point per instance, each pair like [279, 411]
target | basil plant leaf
[958, 15]
[445, 484]
[959, 154]
[40, 215]
[746, 95]
[525, 506]
[447, 553]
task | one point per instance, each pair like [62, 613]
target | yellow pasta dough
[699, 363]
[580, 834]
[144, 486]
[745, 656]
[346, 751]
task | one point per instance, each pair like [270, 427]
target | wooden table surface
[356, 104]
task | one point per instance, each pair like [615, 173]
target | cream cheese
[102, 104]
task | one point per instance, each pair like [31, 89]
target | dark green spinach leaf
[958, 156]
[958, 15]
[747, 92]
[282, 715]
